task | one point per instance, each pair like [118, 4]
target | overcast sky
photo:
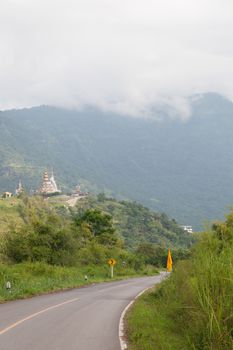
[122, 55]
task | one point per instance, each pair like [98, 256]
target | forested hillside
[137, 224]
[42, 242]
[134, 223]
[184, 169]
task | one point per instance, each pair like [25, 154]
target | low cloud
[124, 56]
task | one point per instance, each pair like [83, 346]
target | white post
[111, 270]
[8, 286]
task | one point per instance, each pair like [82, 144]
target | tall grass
[193, 309]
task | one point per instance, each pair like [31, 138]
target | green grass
[30, 279]
[193, 309]
[9, 213]
[148, 326]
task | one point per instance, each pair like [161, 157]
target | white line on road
[122, 337]
[36, 314]
[121, 324]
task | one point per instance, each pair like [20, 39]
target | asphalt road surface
[79, 319]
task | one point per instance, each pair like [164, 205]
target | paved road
[79, 319]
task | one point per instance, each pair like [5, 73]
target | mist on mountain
[181, 166]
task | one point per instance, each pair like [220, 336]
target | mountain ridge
[183, 168]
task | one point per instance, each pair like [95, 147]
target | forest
[42, 235]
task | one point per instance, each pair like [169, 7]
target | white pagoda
[19, 189]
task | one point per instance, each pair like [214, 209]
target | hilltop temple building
[48, 186]
[19, 189]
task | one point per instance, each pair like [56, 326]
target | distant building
[7, 195]
[78, 193]
[19, 189]
[78, 189]
[48, 186]
[187, 228]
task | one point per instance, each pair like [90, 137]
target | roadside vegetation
[46, 246]
[193, 308]
[53, 249]
[28, 279]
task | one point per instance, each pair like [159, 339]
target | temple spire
[48, 185]
[19, 189]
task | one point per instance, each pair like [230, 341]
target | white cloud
[119, 55]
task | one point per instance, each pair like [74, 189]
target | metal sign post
[111, 263]
[111, 270]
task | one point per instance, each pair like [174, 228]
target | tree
[152, 254]
[44, 236]
[100, 225]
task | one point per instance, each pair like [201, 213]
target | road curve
[79, 319]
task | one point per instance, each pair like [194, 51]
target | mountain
[183, 168]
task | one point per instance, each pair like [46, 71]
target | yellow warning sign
[111, 262]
